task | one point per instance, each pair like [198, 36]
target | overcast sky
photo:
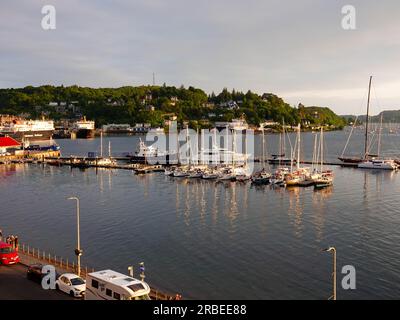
[296, 49]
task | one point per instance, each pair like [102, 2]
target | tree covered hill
[388, 116]
[154, 104]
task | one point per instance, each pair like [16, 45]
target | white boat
[106, 162]
[210, 175]
[227, 174]
[195, 174]
[381, 164]
[151, 154]
[181, 173]
[169, 171]
[369, 161]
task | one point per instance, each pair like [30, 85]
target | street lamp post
[78, 251]
[333, 251]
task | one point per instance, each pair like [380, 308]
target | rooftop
[6, 142]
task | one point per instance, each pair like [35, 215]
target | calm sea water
[216, 240]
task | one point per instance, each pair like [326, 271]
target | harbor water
[208, 240]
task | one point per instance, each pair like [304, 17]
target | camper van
[111, 285]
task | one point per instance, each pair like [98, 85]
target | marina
[254, 218]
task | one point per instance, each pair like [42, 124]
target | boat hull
[29, 136]
[85, 133]
[167, 160]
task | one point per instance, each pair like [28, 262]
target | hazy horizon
[296, 50]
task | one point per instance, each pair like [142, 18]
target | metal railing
[35, 255]
[31, 255]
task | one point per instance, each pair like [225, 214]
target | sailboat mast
[367, 120]
[234, 148]
[380, 136]
[101, 144]
[322, 149]
[298, 145]
[263, 146]
[188, 145]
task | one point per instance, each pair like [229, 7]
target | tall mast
[189, 153]
[263, 146]
[234, 148]
[367, 121]
[380, 136]
[101, 143]
[298, 146]
[322, 149]
[314, 161]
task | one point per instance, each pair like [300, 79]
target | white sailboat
[375, 162]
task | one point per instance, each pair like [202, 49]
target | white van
[111, 285]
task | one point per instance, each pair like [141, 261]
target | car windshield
[6, 250]
[77, 281]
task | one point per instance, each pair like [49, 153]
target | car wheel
[57, 287]
[71, 293]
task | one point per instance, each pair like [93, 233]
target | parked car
[72, 284]
[8, 255]
[34, 273]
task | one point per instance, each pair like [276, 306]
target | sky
[295, 49]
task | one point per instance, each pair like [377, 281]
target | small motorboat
[180, 174]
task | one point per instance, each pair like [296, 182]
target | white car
[72, 284]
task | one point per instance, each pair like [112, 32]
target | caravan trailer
[111, 285]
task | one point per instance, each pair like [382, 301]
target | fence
[30, 255]
[35, 255]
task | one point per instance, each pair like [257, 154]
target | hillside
[155, 104]
[321, 116]
[388, 116]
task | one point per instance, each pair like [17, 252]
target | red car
[8, 255]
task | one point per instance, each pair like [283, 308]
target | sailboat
[367, 161]
[297, 176]
[281, 159]
[374, 161]
[323, 178]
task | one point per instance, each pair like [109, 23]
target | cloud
[295, 49]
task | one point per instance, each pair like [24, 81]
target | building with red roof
[8, 143]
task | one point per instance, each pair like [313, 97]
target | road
[15, 286]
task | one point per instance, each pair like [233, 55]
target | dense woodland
[154, 104]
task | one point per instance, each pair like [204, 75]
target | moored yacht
[150, 154]
[381, 164]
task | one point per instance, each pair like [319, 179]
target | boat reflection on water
[204, 199]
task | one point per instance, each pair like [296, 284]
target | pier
[29, 156]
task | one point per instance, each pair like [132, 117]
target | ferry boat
[84, 129]
[28, 130]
